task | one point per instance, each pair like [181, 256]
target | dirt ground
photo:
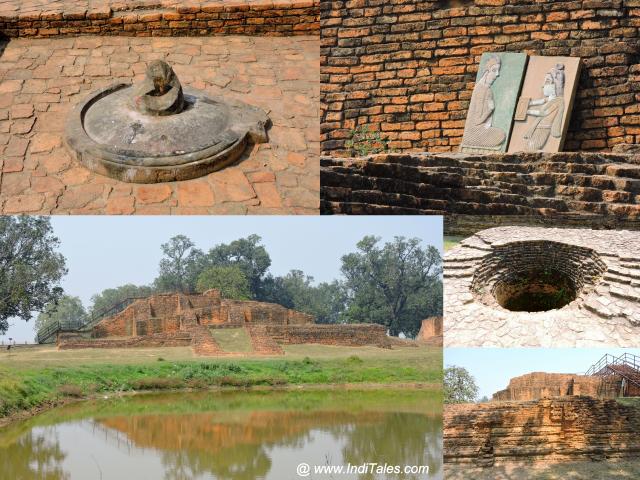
[610, 470]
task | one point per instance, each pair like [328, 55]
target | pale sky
[105, 252]
[494, 367]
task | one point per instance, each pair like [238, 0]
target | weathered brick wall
[286, 17]
[561, 429]
[406, 68]
[431, 327]
[240, 312]
[355, 335]
[534, 386]
[166, 313]
[68, 341]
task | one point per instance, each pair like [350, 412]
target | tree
[330, 302]
[230, 280]
[296, 290]
[393, 285]
[68, 311]
[459, 385]
[245, 253]
[30, 267]
[109, 298]
[179, 266]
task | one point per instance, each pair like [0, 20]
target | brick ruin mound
[538, 385]
[181, 319]
[431, 332]
[599, 190]
[548, 430]
[526, 286]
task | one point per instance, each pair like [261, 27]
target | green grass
[232, 339]
[451, 242]
[631, 401]
[38, 380]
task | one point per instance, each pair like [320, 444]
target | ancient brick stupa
[155, 131]
[177, 319]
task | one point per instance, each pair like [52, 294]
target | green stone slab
[503, 93]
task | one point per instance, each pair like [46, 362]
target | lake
[230, 435]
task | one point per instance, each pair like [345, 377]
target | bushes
[70, 390]
[158, 383]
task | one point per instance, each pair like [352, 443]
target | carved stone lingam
[156, 132]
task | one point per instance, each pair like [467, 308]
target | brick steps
[203, 342]
[601, 185]
[263, 344]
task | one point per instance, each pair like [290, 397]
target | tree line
[395, 284]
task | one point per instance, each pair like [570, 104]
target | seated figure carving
[479, 132]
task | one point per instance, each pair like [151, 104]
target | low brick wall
[162, 18]
[475, 192]
[68, 341]
[407, 68]
[352, 335]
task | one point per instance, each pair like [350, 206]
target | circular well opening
[536, 276]
[535, 291]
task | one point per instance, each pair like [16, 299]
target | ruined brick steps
[561, 429]
[262, 343]
[591, 186]
[159, 18]
[203, 342]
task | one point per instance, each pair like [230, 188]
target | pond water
[229, 435]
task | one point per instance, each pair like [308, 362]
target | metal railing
[52, 329]
[626, 365]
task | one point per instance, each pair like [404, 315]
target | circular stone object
[111, 137]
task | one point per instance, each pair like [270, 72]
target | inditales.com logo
[305, 470]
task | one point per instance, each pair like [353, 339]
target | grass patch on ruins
[232, 339]
[630, 401]
[38, 382]
[451, 241]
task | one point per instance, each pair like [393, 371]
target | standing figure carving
[480, 134]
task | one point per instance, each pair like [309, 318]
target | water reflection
[245, 437]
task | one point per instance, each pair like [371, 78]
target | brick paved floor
[40, 80]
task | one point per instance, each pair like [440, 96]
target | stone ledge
[166, 18]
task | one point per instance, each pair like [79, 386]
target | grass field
[38, 376]
[624, 470]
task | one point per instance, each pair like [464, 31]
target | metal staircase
[49, 333]
[626, 366]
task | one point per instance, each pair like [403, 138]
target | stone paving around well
[41, 79]
[604, 314]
